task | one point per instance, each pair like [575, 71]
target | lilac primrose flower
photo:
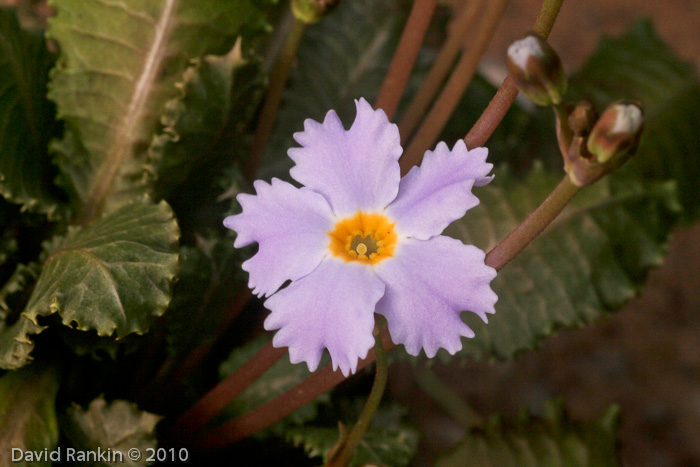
[358, 239]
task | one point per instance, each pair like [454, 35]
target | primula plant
[223, 221]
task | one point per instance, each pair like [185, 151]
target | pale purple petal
[291, 227]
[428, 284]
[333, 308]
[354, 169]
[439, 192]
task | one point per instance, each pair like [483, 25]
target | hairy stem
[458, 32]
[454, 88]
[506, 94]
[346, 452]
[405, 56]
[530, 228]
[268, 114]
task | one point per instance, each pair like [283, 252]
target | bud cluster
[591, 146]
[596, 150]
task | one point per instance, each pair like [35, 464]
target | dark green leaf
[640, 66]
[342, 58]
[27, 414]
[591, 260]
[117, 426]
[26, 118]
[114, 275]
[553, 440]
[118, 67]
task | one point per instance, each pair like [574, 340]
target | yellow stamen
[364, 237]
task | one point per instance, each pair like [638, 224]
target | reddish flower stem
[282, 405]
[458, 32]
[195, 419]
[405, 56]
[533, 225]
[506, 94]
[454, 88]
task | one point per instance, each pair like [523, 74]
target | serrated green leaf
[281, 377]
[342, 58]
[590, 261]
[639, 66]
[114, 275]
[553, 440]
[15, 343]
[118, 67]
[389, 444]
[198, 119]
[26, 118]
[117, 426]
[28, 414]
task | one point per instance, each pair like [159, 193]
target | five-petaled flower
[359, 239]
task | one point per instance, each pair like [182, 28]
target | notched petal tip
[290, 226]
[423, 305]
[331, 308]
[439, 191]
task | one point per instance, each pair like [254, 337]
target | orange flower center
[368, 238]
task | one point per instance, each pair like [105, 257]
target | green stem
[446, 398]
[268, 114]
[522, 235]
[346, 452]
[506, 94]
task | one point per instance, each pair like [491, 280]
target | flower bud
[582, 118]
[583, 170]
[616, 132]
[310, 11]
[537, 70]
